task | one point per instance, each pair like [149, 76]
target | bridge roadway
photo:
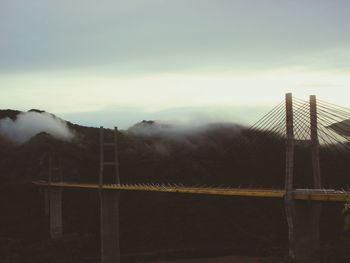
[298, 194]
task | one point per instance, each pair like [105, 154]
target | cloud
[29, 124]
[180, 131]
[190, 135]
[163, 129]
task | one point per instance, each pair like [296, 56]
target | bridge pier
[109, 204]
[305, 231]
[47, 201]
[303, 217]
[110, 248]
[56, 227]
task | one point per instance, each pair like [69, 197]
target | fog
[29, 124]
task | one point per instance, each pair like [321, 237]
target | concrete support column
[303, 217]
[109, 206]
[306, 221]
[47, 201]
[110, 248]
[56, 213]
[315, 144]
[289, 177]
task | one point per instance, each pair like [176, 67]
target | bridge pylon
[109, 203]
[53, 197]
[303, 217]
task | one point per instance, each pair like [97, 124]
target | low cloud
[29, 124]
[188, 135]
[162, 129]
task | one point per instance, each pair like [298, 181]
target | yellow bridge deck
[298, 194]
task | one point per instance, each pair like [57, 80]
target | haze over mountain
[28, 124]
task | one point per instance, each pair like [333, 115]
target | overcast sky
[116, 62]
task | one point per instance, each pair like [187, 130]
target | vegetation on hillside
[219, 154]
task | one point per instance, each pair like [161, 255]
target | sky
[112, 62]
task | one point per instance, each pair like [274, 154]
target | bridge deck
[299, 194]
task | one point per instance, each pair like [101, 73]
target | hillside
[216, 154]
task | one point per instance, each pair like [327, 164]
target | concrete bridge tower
[109, 204]
[303, 217]
[53, 197]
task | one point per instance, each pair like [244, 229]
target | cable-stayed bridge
[316, 125]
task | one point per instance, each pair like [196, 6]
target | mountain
[342, 128]
[151, 151]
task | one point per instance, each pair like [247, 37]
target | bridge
[316, 125]
[324, 195]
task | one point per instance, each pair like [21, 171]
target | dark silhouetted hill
[152, 152]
